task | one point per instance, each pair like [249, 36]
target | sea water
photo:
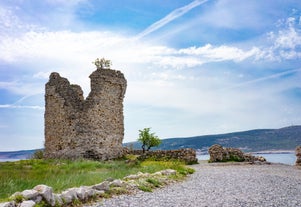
[284, 158]
[8, 160]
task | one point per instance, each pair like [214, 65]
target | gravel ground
[223, 185]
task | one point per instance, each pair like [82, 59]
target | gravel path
[223, 185]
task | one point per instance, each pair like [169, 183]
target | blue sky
[193, 67]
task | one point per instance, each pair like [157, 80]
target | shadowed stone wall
[91, 128]
[187, 155]
[298, 155]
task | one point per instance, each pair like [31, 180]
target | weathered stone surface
[116, 183]
[140, 175]
[84, 193]
[28, 203]
[46, 192]
[105, 186]
[298, 155]
[69, 195]
[187, 155]
[168, 172]
[91, 128]
[30, 194]
[99, 192]
[58, 200]
[132, 177]
[217, 153]
[8, 204]
[220, 154]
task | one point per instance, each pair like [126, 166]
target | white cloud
[57, 47]
[71, 54]
[42, 75]
[288, 39]
[285, 43]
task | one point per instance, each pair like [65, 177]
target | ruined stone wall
[225, 154]
[91, 128]
[298, 155]
[187, 155]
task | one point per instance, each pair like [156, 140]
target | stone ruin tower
[90, 128]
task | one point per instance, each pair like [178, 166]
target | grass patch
[154, 182]
[63, 174]
[145, 188]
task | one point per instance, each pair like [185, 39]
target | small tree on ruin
[148, 139]
[102, 63]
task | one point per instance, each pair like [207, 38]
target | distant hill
[23, 154]
[249, 141]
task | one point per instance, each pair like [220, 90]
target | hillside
[23, 154]
[249, 141]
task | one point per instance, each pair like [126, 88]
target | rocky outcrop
[91, 128]
[44, 194]
[187, 155]
[220, 154]
[298, 155]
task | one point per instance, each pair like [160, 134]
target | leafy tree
[148, 139]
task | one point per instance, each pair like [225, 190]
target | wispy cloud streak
[170, 17]
[20, 107]
[277, 75]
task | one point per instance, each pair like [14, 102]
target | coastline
[274, 152]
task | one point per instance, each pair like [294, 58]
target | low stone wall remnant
[187, 155]
[221, 154]
[298, 155]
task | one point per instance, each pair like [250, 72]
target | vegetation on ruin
[102, 63]
[63, 174]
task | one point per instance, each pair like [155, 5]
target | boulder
[105, 186]
[28, 203]
[68, 196]
[116, 183]
[30, 194]
[46, 193]
[84, 193]
[58, 200]
[8, 204]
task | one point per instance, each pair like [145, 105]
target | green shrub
[38, 154]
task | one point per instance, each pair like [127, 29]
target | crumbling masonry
[90, 128]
